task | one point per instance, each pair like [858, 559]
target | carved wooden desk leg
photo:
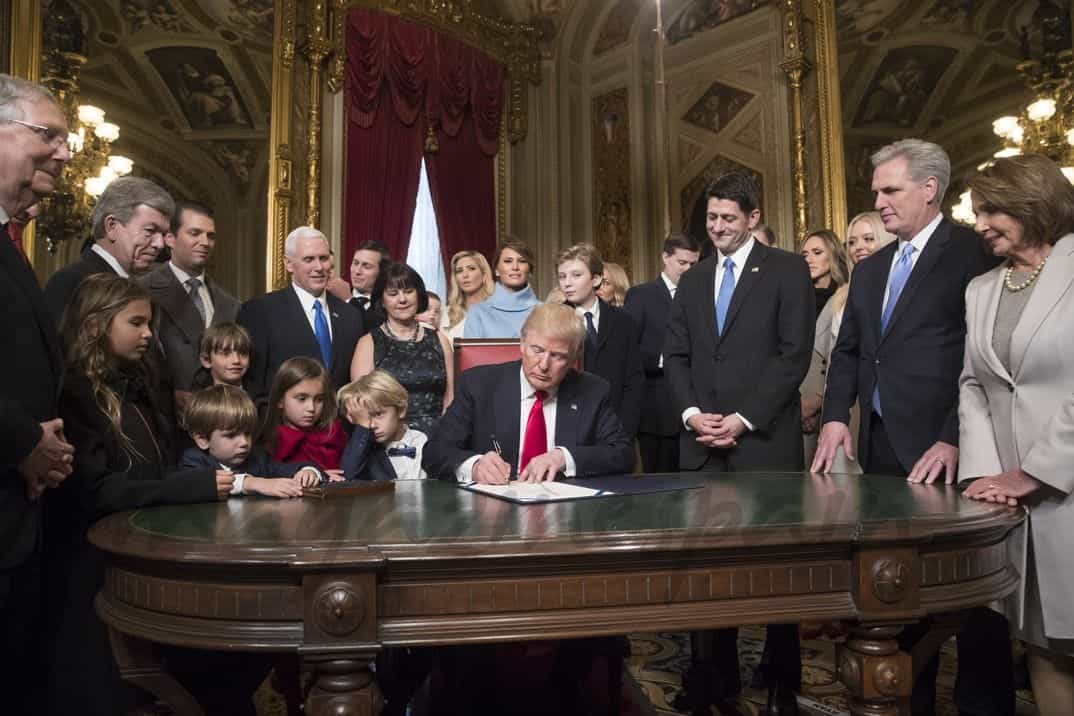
[343, 687]
[139, 665]
[878, 675]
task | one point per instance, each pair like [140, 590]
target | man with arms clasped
[899, 354]
[739, 341]
[34, 454]
[537, 417]
[186, 300]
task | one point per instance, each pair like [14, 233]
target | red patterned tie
[535, 441]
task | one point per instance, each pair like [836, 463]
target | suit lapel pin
[335, 315]
[574, 406]
[755, 269]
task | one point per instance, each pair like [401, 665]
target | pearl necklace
[412, 339]
[1025, 284]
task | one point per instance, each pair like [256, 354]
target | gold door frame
[512, 44]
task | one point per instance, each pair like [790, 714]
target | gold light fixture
[1046, 125]
[66, 213]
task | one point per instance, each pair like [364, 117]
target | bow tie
[410, 452]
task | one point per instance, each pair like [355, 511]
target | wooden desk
[337, 580]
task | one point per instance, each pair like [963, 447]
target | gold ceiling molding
[514, 45]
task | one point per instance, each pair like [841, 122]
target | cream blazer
[1025, 418]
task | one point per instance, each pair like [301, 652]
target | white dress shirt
[528, 396]
[407, 468]
[307, 300]
[4, 218]
[110, 260]
[203, 291]
[920, 240]
[671, 289]
[594, 309]
[740, 257]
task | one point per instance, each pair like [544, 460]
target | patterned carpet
[657, 662]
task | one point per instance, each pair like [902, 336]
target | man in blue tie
[899, 354]
[739, 340]
[301, 320]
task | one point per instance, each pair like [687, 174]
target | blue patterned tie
[320, 329]
[727, 289]
[896, 283]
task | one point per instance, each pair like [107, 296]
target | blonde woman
[471, 283]
[865, 235]
[614, 286]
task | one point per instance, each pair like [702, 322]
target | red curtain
[403, 79]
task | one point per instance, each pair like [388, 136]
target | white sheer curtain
[424, 251]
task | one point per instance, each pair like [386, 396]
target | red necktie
[15, 234]
[535, 441]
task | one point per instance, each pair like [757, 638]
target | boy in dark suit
[382, 446]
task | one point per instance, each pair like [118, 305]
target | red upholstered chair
[472, 352]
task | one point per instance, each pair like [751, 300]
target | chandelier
[67, 212]
[1046, 125]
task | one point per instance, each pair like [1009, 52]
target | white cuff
[686, 415]
[569, 468]
[236, 487]
[465, 471]
[747, 423]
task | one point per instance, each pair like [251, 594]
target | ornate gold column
[317, 49]
[796, 66]
[280, 193]
[832, 162]
[25, 61]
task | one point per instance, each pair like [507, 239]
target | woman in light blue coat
[503, 313]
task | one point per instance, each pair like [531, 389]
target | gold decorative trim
[833, 169]
[25, 61]
[316, 50]
[280, 191]
[501, 182]
[796, 66]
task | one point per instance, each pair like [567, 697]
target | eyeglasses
[55, 138]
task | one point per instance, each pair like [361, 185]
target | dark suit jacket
[755, 367]
[372, 315]
[486, 406]
[258, 463]
[919, 358]
[365, 459]
[280, 330]
[177, 324]
[31, 368]
[618, 361]
[61, 286]
[649, 304]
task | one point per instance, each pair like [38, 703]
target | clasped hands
[715, 430]
[49, 463]
[492, 469]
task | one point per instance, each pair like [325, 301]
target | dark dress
[419, 366]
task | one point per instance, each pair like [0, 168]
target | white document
[536, 491]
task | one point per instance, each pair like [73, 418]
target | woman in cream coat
[1016, 401]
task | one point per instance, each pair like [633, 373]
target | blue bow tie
[410, 452]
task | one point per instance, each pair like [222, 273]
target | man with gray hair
[129, 223]
[899, 354]
[301, 320]
[34, 455]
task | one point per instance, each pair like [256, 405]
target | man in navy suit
[302, 319]
[649, 304]
[739, 341]
[34, 454]
[537, 418]
[899, 354]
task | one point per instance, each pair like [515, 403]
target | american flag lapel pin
[336, 315]
[574, 406]
[755, 269]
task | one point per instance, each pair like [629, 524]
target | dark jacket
[31, 367]
[365, 459]
[618, 361]
[486, 408]
[178, 326]
[258, 463]
[918, 359]
[280, 330]
[649, 304]
[62, 285]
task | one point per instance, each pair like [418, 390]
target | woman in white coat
[1016, 400]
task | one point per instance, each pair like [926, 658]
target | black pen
[498, 449]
